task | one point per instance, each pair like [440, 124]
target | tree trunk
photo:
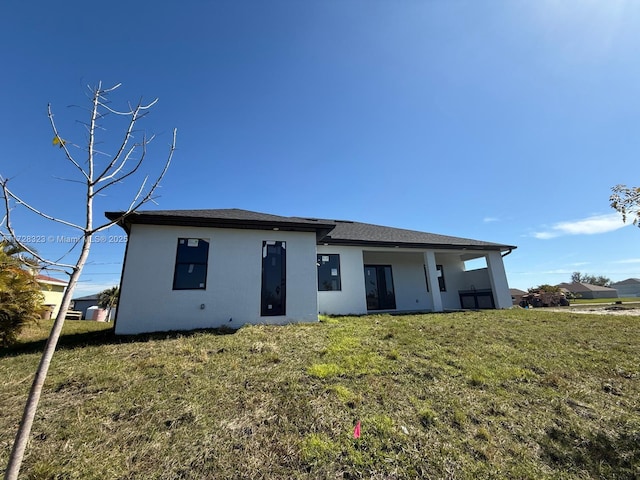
[24, 431]
[112, 173]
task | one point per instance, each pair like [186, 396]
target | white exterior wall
[233, 293]
[454, 279]
[499, 283]
[408, 279]
[491, 278]
[352, 298]
[477, 279]
[430, 267]
[234, 280]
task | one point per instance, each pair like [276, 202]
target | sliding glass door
[379, 287]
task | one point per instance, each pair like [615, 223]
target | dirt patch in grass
[608, 309]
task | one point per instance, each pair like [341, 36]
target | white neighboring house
[187, 269]
[53, 290]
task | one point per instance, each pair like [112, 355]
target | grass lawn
[494, 394]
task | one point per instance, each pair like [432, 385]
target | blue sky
[495, 120]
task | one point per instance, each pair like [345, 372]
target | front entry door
[379, 287]
[274, 279]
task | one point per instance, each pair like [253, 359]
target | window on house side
[329, 272]
[440, 273]
[192, 257]
[441, 283]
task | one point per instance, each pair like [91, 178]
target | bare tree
[97, 175]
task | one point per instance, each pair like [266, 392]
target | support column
[498, 277]
[432, 279]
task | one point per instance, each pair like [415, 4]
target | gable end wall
[233, 292]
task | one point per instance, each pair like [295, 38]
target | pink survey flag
[356, 431]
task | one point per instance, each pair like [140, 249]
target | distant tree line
[599, 280]
[545, 288]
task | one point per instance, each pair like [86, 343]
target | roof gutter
[434, 246]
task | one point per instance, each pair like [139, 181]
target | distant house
[187, 269]
[81, 304]
[586, 290]
[628, 288]
[52, 289]
[516, 295]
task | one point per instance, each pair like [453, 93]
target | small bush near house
[20, 297]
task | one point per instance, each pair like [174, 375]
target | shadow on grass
[598, 453]
[106, 337]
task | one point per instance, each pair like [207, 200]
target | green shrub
[20, 296]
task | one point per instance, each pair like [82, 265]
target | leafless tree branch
[62, 142]
[123, 145]
[68, 180]
[114, 172]
[136, 203]
[131, 110]
[119, 179]
[10, 195]
[6, 221]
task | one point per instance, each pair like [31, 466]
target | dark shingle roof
[584, 287]
[628, 281]
[356, 233]
[331, 232]
[222, 214]
[225, 218]
[95, 296]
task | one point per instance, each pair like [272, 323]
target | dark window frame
[440, 273]
[267, 281]
[426, 277]
[386, 301]
[183, 257]
[333, 262]
[441, 282]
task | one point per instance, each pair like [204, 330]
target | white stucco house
[187, 269]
